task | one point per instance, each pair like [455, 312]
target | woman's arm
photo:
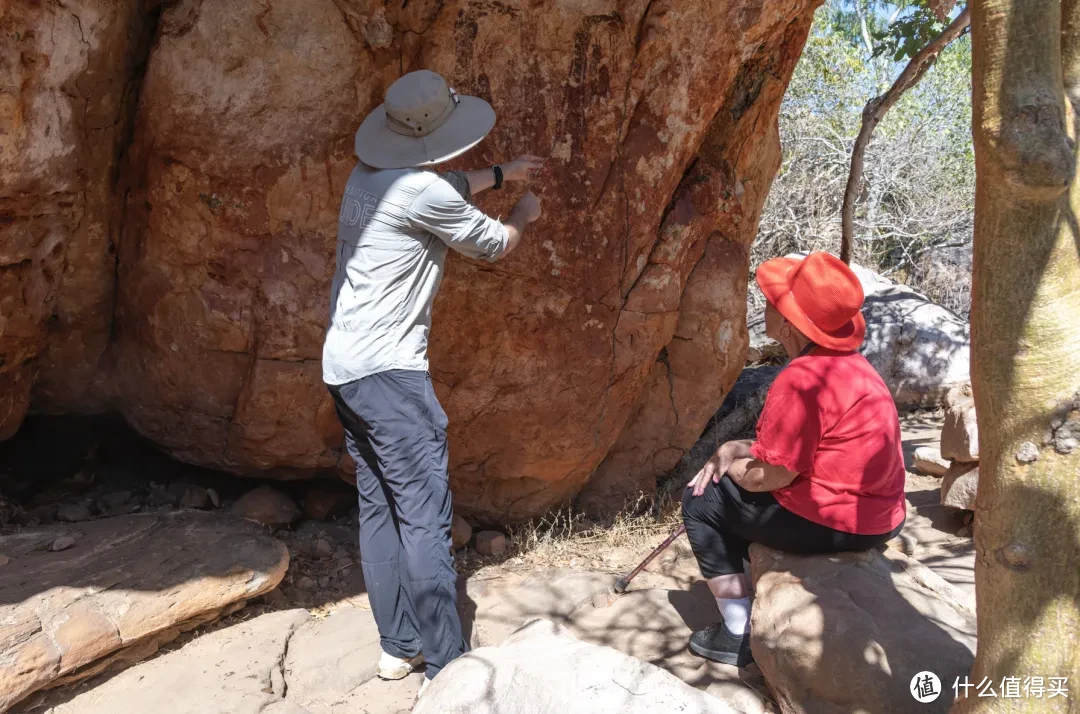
[756, 475]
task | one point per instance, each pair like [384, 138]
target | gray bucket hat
[422, 122]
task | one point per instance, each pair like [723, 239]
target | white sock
[736, 614]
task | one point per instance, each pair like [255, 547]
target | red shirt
[830, 418]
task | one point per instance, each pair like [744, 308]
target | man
[397, 221]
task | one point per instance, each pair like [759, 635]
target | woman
[826, 473]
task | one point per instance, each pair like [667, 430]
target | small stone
[62, 543]
[1066, 446]
[194, 497]
[4, 560]
[928, 460]
[460, 532]
[160, 497]
[323, 548]
[276, 598]
[323, 502]
[73, 512]
[490, 543]
[267, 506]
[1027, 453]
[116, 499]
[306, 583]
[603, 599]
[215, 499]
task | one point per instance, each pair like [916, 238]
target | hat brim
[773, 277]
[380, 148]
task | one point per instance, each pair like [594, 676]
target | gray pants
[395, 430]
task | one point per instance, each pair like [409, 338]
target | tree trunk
[1026, 351]
[875, 111]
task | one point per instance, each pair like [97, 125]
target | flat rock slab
[234, 670]
[329, 657]
[847, 633]
[128, 585]
[491, 612]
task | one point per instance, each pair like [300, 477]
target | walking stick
[624, 582]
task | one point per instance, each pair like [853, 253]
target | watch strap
[498, 176]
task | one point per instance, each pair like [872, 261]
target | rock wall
[67, 93]
[660, 121]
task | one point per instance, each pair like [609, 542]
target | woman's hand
[523, 168]
[715, 467]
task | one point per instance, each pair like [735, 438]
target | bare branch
[876, 109]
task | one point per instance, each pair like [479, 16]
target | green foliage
[896, 30]
[903, 39]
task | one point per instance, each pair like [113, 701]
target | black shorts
[723, 522]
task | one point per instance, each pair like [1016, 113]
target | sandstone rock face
[659, 118]
[125, 586]
[65, 107]
[847, 633]
[543, 670]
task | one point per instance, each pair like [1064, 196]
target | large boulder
[847, 633]
[659, 118]
[921, 349]
[124, 587]
[960, 432]
[960, 486]
[543, 670]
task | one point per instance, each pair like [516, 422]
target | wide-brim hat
[819, 295]
[422, 122]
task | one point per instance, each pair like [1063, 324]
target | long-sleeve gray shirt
[394, 230]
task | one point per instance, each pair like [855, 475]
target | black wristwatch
[498, 177]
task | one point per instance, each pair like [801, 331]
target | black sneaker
[719, 644]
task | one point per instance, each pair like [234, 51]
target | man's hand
[528, 207]
[523, 168]
[718, 465]
[526, 211]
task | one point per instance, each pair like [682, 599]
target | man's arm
[757, 475]
[520, 169]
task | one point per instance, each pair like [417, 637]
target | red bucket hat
[819, 295]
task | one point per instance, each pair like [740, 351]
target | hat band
[399, 127]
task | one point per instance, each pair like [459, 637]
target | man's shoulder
[381, 182]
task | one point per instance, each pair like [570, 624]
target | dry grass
[569, 539]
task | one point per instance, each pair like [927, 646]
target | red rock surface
[65, 105]
[660, 121]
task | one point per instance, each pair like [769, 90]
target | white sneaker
[423, 687]
[391, 667]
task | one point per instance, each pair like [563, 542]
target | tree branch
[875, 111]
